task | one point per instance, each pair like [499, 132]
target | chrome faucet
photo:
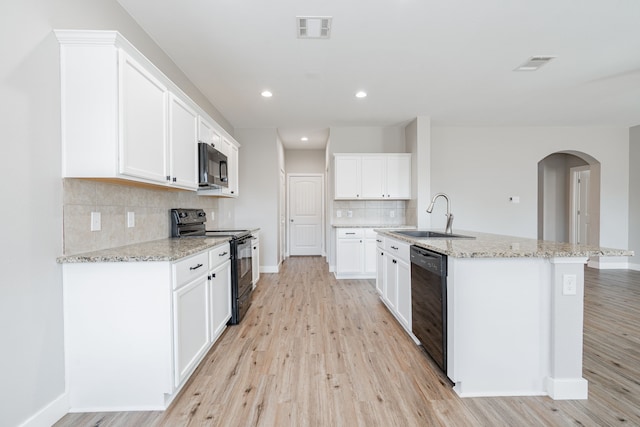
[449, 215]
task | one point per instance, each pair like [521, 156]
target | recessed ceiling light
[534, 63]
[361, 94]
[266, 94]
[304, 138]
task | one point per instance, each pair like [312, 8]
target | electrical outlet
[131, 219]
[392, 214]
[213, 216]
[95, 221]
[338, 214]
[569, 285]
[349, 214]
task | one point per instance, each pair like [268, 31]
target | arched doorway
[569, 198]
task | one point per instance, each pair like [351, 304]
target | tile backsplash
[375, 212]
[113, 201]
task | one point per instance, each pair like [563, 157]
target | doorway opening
[569, 198]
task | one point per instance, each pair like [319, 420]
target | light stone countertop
[487, 245]
[171, 249]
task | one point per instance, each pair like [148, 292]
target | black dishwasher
[429, 302]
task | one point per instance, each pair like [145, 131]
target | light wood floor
[314, 351]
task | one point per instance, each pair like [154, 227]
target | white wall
[480, 167]
[257, 205]
[634, 196]
[31, 287]
[418, 143]
[304, 161]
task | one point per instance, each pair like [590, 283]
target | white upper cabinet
[398, 176]
[347, 177]
[183, 167]
[122, 118]
[373, 176]
[143, 122]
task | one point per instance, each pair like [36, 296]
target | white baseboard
[602, 264]
[50, 414]
[269, 269]
[635, 267]
[567, 388]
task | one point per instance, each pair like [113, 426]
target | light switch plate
[95, 221]
[131, 219]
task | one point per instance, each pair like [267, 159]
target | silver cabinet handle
[223, 254]
[349, 233]
[196, 267]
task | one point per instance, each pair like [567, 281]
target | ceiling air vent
[534, 63]
[314, 27]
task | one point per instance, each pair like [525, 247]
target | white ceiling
[452, 60]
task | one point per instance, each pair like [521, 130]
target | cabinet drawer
[350, 233]
[398, 249]
[219, 254]
[188, 269]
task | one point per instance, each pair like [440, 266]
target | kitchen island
[514, 313]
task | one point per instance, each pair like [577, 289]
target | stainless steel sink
[426, 234]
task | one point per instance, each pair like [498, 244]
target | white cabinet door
[220, 291]
[373, 175]
[398, 176]
[391, 282]
[349, 256]
[404, 293]
[370, 259]
[191, 326]
[380, 272]
[232, 163]
[143, 126]
[182, 142]
[347, 177]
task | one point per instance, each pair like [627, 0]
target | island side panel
[499, 314]
[567, 324]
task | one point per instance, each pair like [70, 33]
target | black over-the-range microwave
[212, 167]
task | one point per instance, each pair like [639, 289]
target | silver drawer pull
[349, 233]
[223, 254]
[196, 267]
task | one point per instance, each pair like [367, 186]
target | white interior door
[580, 218]
[305, 214]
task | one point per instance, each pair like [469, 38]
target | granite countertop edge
[168, 250]
[486, 245]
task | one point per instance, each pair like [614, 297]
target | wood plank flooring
[314, 351]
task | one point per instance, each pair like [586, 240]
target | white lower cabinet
[393, 281]
[191, 326]
[356, 253]
[136, 331]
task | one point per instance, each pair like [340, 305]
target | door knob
[291, 220]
